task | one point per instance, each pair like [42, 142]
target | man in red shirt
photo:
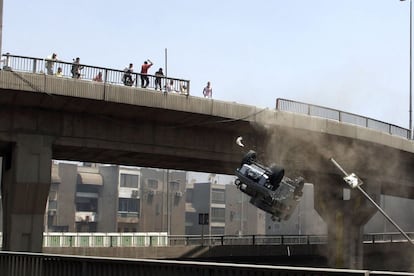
[144, 71]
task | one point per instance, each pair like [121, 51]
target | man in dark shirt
[158, 75]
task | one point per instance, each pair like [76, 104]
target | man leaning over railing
[50, 62]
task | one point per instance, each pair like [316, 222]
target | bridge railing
[69, 239]
[346, 117]
[88, 73]
[35, 264]
[386, 237]
[154, 239]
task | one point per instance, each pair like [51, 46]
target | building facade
[205, 199]
[242, 218]
[110, 198]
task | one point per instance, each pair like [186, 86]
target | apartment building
[77, 199]
[205, 198]
[163, 201]
[242, 218]
[110, 198]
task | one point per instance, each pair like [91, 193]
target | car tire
[237, 182]
[277, 175]
[249, 157]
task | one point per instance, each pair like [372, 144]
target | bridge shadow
[194, 253]
[263, 255]
[388, 256]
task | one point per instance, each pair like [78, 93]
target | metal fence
[341, 116]
[33, 264]
[68, 239]
[387, 237]
[154, 239]
[89, 73]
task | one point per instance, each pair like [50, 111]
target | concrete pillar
[345, 215]
[25, 188]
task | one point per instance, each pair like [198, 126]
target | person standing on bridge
[144, 71]
[76, 68]
[158, 76]
[208, 91]
[50, 62]
[127, 77]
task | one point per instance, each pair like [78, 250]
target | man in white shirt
[50, 62]
[208, 91]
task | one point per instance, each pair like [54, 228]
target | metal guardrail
[109, 76]
[341, 116]
[33, 264]
[154, 239]
[219, 240]
[181, 86]
[69, 239]
[387, 237]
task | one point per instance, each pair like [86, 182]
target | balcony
[128, 217]
[85, 217]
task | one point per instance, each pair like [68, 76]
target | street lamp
[411, 69]
[1, 26]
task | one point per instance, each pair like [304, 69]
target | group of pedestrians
[127, 78]
[75, 70]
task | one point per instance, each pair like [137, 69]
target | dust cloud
[383, 168]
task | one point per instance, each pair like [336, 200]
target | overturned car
[268, 188]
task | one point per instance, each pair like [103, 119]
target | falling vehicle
[268, 188]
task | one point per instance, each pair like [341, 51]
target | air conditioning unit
[178, 194]
[51, 213]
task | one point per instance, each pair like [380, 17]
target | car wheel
[237, 182]
[277, 175]
[249, 157]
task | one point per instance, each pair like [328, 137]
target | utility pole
[410, 103]
[1, 26]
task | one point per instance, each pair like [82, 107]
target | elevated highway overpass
[44, 117]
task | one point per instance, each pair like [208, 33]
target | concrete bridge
[44, 117]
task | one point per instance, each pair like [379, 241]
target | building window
[85, 188]
[84, 204]
[189, 195]
[217, 214]
[52, 205]
[217, 231]
[128, 205]
[52, 195]
[129, 180]
[218, 196]
[152, 184]
[175, 186]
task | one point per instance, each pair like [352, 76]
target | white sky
[351, 55]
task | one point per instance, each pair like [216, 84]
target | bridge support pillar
[25, 188]
[345, 211]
